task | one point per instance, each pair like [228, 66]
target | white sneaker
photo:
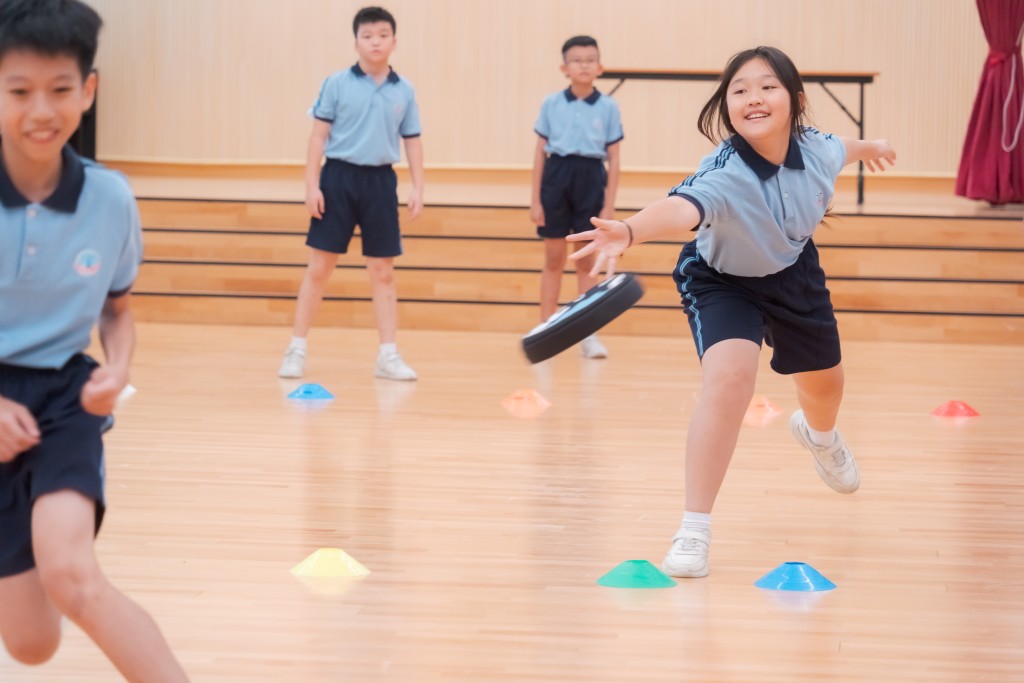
[392, 366]
[294, 364]
[688, 556]
[591, 347]
[835, 463]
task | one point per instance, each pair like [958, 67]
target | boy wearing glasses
[578, 130]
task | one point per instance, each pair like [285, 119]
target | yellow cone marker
[329, 563]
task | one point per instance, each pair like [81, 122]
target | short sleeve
[829, 149]
[838, 149]
[131, 252]
[326, 103]
[410, 126]
[543, 125]
[709, 187]
[613, 131]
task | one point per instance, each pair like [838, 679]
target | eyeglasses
[577, 60]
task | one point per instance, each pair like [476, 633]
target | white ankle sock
[388, 350]
[697, 521]
[822, 438]
[298, 343]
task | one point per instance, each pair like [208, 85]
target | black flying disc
[591, 311]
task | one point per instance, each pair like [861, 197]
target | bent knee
[72, 585]
[734, 385]
[33, 651]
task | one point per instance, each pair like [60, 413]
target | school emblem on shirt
[87, 263]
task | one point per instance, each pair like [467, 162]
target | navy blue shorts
[571, 193]
[366, 196]
[791, 310]
[69, 455]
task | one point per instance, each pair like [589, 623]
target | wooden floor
[486, 533]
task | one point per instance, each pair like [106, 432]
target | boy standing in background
[360, 115]
[578, 130]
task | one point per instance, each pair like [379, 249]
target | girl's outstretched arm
[871, 152]
[670, 218]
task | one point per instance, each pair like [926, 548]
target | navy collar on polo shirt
[589, 99]
[64, 198]
[358, 71]
[762, 167]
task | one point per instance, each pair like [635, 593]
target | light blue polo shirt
[366, 119]
[755, 217]
[61, 259]
[578, 127]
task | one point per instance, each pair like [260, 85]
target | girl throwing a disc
[751, 275]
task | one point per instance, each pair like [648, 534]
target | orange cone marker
[955, 409]
[526, 403]
[760, 412]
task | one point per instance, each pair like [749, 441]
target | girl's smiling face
[759, 104]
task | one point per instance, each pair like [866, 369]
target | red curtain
[992, 165]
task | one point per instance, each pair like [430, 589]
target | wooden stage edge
[963, 235]
[510, 186]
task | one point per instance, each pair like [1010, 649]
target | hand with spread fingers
[607, 241]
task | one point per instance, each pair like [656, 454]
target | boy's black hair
[51, 27]
[715, 114]
[577, 41]
[372, 15]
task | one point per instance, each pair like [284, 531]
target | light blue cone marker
[311, 392]
[794, 576]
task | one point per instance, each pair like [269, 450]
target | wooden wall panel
[230, 80]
